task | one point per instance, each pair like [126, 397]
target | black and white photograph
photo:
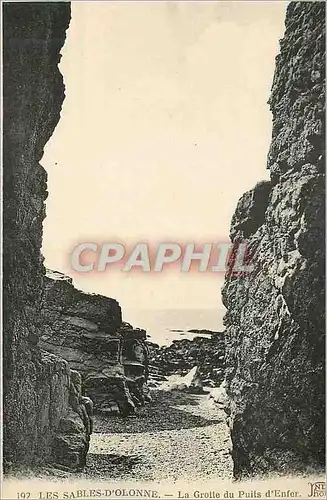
[163, 249]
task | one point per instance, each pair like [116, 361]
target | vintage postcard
[163, 249]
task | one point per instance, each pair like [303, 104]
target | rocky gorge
[69, 354]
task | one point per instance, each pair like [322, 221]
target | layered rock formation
[87, 330]
[275, 321]
[38, 386]
[208, 354]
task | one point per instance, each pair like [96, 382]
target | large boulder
[87, 330]
[72, 441]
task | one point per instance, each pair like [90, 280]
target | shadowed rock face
[275, 315]
[37, 385]
[87, 331]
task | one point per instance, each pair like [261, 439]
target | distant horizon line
[179, 309]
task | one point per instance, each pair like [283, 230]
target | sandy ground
[177, 436]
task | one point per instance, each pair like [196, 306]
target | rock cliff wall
[275, 320]
[45, 417]
[87, 330]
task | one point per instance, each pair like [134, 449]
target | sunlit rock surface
[87, 330]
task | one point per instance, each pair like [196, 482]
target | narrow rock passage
[177, 436]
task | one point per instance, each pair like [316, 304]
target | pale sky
[164, 126]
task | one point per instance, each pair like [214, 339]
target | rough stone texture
[208, 354]
[275, 320]
[37, 384]
[72, 440]
[87, 331]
